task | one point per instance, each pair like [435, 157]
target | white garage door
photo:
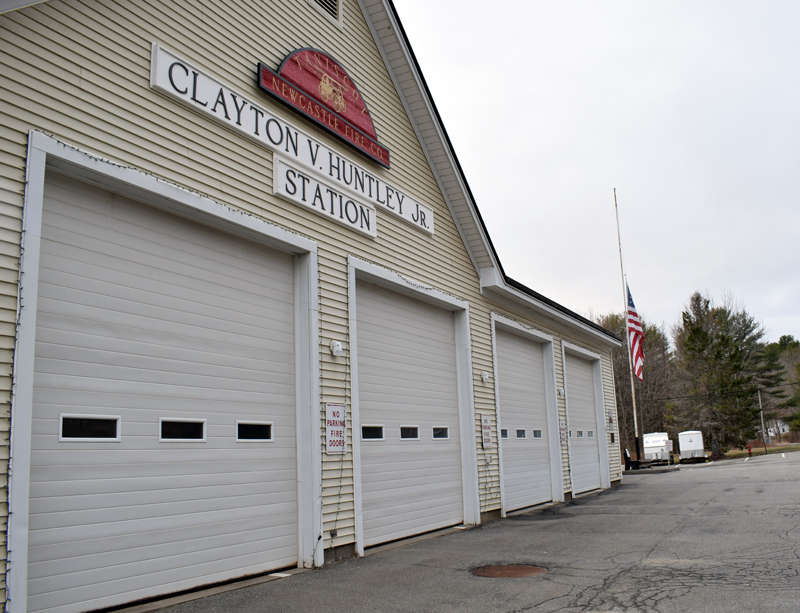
[408, 405]
[163, 329]
[584, 450]
[523, 416]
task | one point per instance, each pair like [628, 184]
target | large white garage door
[584, 450]
[163, 334]
[408, 405]
[523, 415]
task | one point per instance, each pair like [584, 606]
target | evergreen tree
[786, 352]
[722, 364]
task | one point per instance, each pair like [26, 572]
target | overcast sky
[691, 109]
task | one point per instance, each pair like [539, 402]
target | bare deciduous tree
[657, 384]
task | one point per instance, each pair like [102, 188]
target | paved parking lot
[718, 537]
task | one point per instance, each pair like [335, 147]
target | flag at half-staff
[635, 337]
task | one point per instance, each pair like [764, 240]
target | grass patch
[759, 450]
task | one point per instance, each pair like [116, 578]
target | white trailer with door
[657, 447]
[691, 445]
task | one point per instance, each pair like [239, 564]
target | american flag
[635, 336]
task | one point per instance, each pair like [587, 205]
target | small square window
[371, 433]
[522, 433]
[580, 433]
[537, 434]
[441, 432]
[90, 428]
[253, 431]
[590, 434]
[503, 433]
[409, 433]
[182, 430]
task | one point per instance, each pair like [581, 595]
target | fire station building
[251, 317]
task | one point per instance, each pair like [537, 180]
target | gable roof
[392, 41]
[391, 38]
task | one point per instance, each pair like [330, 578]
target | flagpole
[627, 336]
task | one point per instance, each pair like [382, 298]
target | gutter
[496, 285]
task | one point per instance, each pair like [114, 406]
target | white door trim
[372, 273]
[551, 402]
[47, 152]
[599, 407]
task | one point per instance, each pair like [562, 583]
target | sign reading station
[181, 80]
[315, 85]
[295, 184]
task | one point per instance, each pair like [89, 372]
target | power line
[710, 395]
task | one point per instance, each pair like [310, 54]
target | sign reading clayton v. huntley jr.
[183, 81]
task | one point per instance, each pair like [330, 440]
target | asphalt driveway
[720, 537]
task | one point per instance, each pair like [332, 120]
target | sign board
[562, 429]
[668, 445]
[486, 430]
[183, 81]
[335, 428]
[315, 85]
[768, 440]
[293, 183]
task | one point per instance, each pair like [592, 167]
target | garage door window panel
[372, 433]
[90, 428]
[409, 433]
[254, 432]
[177, 430]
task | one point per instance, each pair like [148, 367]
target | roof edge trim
[6, 6]
[499, 283]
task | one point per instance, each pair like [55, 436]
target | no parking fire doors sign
[335, 428]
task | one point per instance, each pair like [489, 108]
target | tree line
[706, 373]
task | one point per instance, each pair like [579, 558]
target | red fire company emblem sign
[316, 86]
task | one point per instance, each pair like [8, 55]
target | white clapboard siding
[584, 451]
[145, 315]
[610, 403]
[407, 377]
[522, 405]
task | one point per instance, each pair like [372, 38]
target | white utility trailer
[691, 445]
[657, 447]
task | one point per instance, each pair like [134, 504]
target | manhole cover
[502, 571]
